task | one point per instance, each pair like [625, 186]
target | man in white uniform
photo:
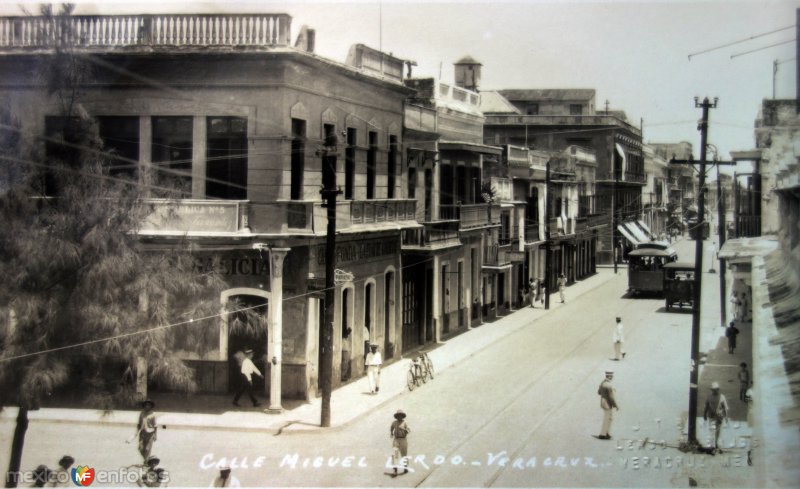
[373, 364]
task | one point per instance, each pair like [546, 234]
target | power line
[762, 48]
[740, 41]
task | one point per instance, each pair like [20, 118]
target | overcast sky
[635, 54]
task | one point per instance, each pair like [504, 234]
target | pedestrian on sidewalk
[365, 335]
[246, 379]
[746, 314]
[147, 428]
[225, 479]
[731, 332]
[562, 284]
[61, 476]
[716, 408]
[736, 305]
[608, 402]
[399, 431]
[744, 381]
[373, 366]
[41, 475]
[619, 340]
[533, 286]
[153, 475]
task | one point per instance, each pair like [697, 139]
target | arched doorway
[246, 321]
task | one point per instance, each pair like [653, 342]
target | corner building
[224, 112]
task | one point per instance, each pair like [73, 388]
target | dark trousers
[245, 386]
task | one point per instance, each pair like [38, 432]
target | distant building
[554, 120]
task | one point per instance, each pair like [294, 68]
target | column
[199, 158]
[437, 300]
[275, 340]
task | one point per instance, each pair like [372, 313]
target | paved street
[521, 412]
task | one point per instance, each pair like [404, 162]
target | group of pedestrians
[60, 477]
[606, 391]
[536, 291]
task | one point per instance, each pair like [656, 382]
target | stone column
[275, 340]
[437, 300]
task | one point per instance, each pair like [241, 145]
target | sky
[634, 54]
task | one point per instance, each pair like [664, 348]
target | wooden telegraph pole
[698, 269]
[329, 193]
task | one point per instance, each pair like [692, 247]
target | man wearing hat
[619, 339]
[248, 369]
[373, 364]
[225, 479]
[61, 476]
[608, 402]
[399, 432]
[716, 408]
[147, 428]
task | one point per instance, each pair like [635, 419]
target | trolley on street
[645, 268]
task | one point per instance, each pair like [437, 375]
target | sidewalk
[348, 402]
[717, 365]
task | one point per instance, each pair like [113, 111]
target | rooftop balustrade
[108, 31]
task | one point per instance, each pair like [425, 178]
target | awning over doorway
[745, 248]
[628, 235]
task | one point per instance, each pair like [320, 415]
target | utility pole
[614, 218]
[329, 193]
[547, 236]
[698, 272]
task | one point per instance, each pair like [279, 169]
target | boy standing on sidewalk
[744, 381]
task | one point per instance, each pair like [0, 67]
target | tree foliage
[79, 288]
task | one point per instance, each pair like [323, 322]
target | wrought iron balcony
[85, 31]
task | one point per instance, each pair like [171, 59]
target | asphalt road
[520, 413]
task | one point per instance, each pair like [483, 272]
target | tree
[82, 303]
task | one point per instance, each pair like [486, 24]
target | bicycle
[420, 369]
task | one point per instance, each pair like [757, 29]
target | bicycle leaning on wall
[419, 371]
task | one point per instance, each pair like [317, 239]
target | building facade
[223, 115]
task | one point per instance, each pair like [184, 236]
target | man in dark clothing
[730, 332]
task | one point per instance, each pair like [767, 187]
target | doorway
[247, 329]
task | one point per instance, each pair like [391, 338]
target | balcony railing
[434, 235]
[532, 232]
[561, 120]
[146, 30]
[495, 255]
[627, 177]
[218, 217]
[471, 215]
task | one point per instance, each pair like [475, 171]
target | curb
[276, 427]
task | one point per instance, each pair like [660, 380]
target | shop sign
[232, 265]
[192, 217]
[359, 251]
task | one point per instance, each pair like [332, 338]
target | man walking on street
[619, 340]
[373, 364]
[730, 332]
[248, 369]
[533, 286]
[716, 408]
[562, 284]
[608, 402]
[147, 428]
